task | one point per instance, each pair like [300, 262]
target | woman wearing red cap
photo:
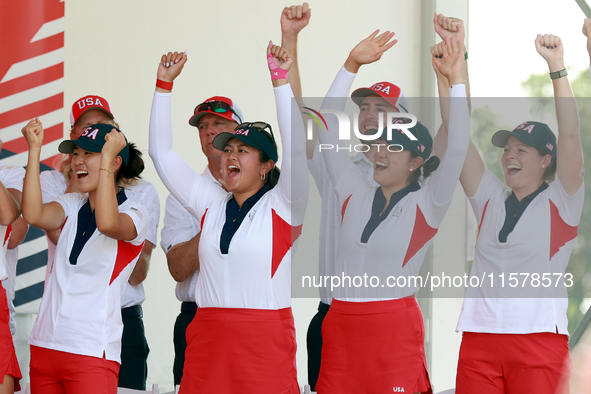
[76, 339]
[242, 339]
[515, 328]
[373, 333]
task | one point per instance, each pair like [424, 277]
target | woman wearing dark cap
[373, 333]
[515, 334]
[76, 339]
[242, 339]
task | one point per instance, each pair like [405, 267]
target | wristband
[559, 74]
[466, 55]
[163, 84]
[276, 71]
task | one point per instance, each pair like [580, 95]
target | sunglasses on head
[217, 107]
[259, 126]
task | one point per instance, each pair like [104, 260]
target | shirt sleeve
[293, 182]
[336, 98]
[569, 207]
[178, 226]
[70, 202]
[150, 200]
[13, 178]
[50, 189]
[141, 220]
[444, 180]
[180, 180]
[489, 186]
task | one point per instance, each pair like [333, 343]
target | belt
[323, 308]
[132, 311]
[189, 307]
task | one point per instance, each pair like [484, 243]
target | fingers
[373, 35]
[172, 58]
[296, 11]
[269, 47]
[549, 41]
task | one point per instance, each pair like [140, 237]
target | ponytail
[424, 171]
[134, 167]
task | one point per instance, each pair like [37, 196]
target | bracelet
[559, 74]
[163, 84]
[106, 169]
[466, 55]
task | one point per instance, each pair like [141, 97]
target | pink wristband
[276, 71]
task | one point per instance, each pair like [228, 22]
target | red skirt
[236, 350]
[373, 347]
[8, 360]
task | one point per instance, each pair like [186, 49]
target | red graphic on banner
[32, 39]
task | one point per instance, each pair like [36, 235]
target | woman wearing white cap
[373, 333]
[76, 339]
[515, 328]
[242, 339]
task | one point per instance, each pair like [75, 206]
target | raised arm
[44, 216]
[446, 176]
[473, 165]
[367, 51]
[293, 182]
[109, 221]
[293, 20]
[176, 175]
[569, 154]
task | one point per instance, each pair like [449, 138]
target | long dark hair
[134, 167]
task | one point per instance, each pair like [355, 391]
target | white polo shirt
[541, 243]
[80, 311]
[256, 271]
[12, 178]
[330, 219]
[180, 226]
[53, 185]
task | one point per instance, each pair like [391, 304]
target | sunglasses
[218, 107]
[259, 126]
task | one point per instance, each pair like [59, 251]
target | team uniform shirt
[256, 270]
[9, 284]
[53, 185]
[541, 243]
[180, 226]
[12, 178]
[80, 311]
[397, 245]
[330, 221]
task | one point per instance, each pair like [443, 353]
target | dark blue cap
[423, 144]
[534, 134]
[92, 139]
[251, 136]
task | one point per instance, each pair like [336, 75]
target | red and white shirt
[256, 271]
[80, 311]
[53, 185]
[541, 243]
[12, 178]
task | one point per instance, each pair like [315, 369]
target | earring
[263, 176]
[543, 166]
[411, 170]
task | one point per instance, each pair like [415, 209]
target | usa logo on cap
[87, 103]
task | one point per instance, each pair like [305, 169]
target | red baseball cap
[86, 103]
[220, 106]
[387, 90]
